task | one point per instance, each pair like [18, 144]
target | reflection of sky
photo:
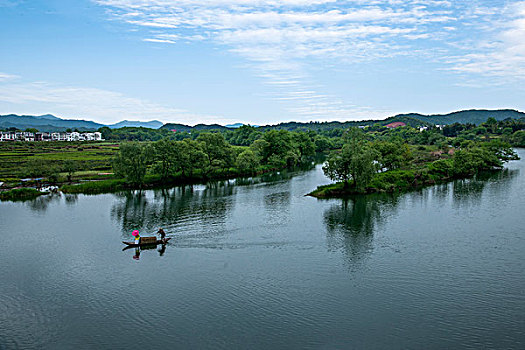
[379, 266]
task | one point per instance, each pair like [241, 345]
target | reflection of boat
[145, 241]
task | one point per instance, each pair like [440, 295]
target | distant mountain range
[50, 122]
[238, 125]
[154, 124]
[474, 116]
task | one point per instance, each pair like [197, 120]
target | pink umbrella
[135, 233]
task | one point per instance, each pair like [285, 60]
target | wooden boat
[145, 241]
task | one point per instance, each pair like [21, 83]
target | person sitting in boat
[161, 233]
[136, 234]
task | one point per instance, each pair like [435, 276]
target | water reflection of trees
[276, 176]
[469, 192]
[71, 199]
[40, 204]
[170, 208]
[352, 222]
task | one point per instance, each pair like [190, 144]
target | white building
[7, 136]
[54, 136]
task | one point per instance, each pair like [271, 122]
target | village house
[45, 136]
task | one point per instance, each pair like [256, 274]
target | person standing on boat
[136, 234]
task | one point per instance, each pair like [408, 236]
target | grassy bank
[20, 194]
[95, 187]
[155, 181]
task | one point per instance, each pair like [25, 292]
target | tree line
[210, 155]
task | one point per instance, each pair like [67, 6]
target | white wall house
[7, 136]
[54, 136]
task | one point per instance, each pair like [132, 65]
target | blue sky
[259, 61]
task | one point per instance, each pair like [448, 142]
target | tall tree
[166, 155]
[304, 145]
[247, 161]
[131, 162]
[69, 166]
[355, 161]
[218, 152]
[190, 157]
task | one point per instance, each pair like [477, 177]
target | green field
[89, 158]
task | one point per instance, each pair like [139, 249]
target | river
[255, 264]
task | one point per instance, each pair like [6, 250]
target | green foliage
[304, 147]
[95, 187]
[69, 167]
[356, 160]
[36, 167]
[259, 147]
[219, 154]
[248, 161]
[195, 153]
[518, 138]
[395, 180]
[166, 156]
[393, 155]
[475, 157]
[279, 143]
[442, 168]
[20, 194]
[131, 162]
[134, 134]
[472, 158]
[243, 136]
[322, 143]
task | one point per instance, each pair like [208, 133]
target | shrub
[20, 194]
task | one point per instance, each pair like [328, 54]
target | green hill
[198, 127]
[473, 116]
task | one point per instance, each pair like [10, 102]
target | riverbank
[21, 194]
[155, 181]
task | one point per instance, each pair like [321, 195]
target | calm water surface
[256, 264]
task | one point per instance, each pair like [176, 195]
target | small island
[366, 164]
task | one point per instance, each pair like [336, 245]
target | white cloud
[164, 41]
[502, 55]
[284, 39]
[6, 77]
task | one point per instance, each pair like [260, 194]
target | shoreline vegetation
[152, 182]
[21, 194]
[364, 167]
[360, 160]
[462, 164]
[397, 181]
